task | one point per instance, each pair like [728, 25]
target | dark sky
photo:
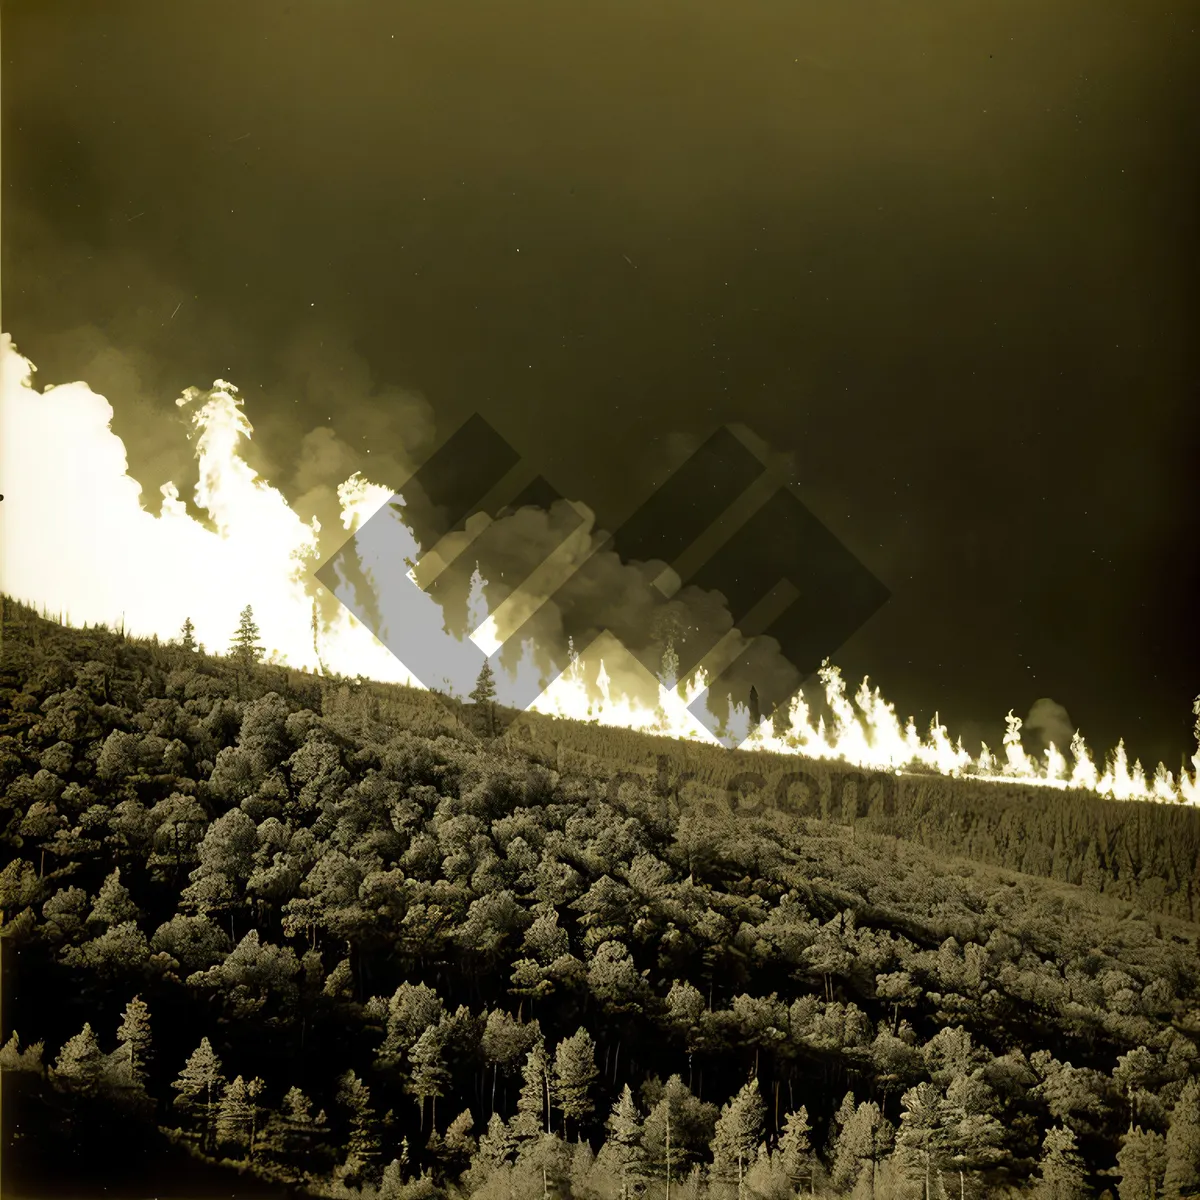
[944, 254]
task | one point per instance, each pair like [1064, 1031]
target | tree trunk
[668, 1152]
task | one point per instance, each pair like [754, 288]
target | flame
[77, 540]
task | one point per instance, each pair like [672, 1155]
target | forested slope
[329, 929]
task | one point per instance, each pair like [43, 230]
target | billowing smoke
[607, 594]
[82, 536]
[1048, 722]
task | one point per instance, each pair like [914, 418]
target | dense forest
[375, 943]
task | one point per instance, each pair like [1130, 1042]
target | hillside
[379, 953]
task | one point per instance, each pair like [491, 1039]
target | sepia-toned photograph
[599, 601]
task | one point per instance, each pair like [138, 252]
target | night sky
[944, 255]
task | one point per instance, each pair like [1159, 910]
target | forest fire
[115, 561]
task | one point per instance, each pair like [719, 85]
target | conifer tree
[459, 1142]
[622, 1154]
[484, 694]
[246, 645]
[1063, 1176]
[113, 905]
[533, 1102]
[795, 1147]
[199, 1085]
[234, 1115]
[428, 1077]
[625, 1124]
[735, 1139]
[1181, 1176]
[297, 1129]
[840, 1118]
[13, 1058]
[921, 1141]
[755, 709]
[574, 1075]
[187, 635]
[863, 1139]
[80, 1064]
[972, 1135]
[363, 1147]
[497, 1144]
[134, 1033]
[1140, 1164]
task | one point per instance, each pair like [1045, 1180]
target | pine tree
[972, 1136]
[485, 684]
[13, 1058]
[1063, 1176]
[199, 1085]
[187, 635]
[113, 905]
[134, 1033]
[245, 641]
[795, 1147]
[80, 1064]
[484, 693]
[296, 1127]
[625, 1123]
[428, 1077]
[921, 1141]
[840, 1118]
[735, 1139]
[459, 1142]
[1140, 1164]
[1183, 1144]
[363, 1147]
[496, 1146]
[755, 709]
[622, 1154]
[533, 1102]
[862, 1140]
[574, 1075]
[234, 1115]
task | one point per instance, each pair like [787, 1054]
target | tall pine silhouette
[246, 647]
[187, 635]
[484, 694]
